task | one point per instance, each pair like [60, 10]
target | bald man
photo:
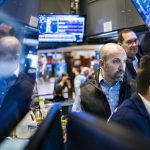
[15, 87]
[110, 88]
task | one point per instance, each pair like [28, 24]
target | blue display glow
[143, 7]
[61, 28]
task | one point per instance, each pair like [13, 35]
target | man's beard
[118, 76]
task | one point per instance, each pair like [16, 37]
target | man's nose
[122, 66]
[134, 44]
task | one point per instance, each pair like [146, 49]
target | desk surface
[66, 102]
[13, 144]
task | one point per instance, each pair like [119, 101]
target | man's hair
[6, 30]
[84, 69]
[64, 75]
[143, 75]
[120, 37]
[10, 42]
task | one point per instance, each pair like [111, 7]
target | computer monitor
[143, 8]
[61, 28]
[33, 60]
[86, 132]
[49, 134]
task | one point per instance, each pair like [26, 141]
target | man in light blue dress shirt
[101, 96]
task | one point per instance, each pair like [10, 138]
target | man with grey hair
[15, 85]
[110, 88]
[79, 80]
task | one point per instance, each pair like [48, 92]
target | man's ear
[101, 62]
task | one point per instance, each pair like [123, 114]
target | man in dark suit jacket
[134, 113]
[16, 88]
[129, 41]
[60, 84]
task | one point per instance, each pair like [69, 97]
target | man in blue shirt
[81, 79]
[110, 88]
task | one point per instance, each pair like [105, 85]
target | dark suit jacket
[94, 101]
[15, 104]
[133, 115]
[130, 71]
[58, 88]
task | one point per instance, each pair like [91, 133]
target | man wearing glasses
[129, 41]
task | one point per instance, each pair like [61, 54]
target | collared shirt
[135, 63]
[146, 103]
[111, 91]
[78, 81]
[5, 84]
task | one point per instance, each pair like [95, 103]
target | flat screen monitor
[33, 61]
[60, 68]
[49, 133]
[143, 7]
[85, 132]
[61, 28]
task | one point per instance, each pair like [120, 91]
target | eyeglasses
[130, 42]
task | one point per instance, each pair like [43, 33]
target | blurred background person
[81, 78]
[59, 87]
[94, 65]
[145, 44]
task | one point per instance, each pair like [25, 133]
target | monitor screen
[143, 7]
[61, 28]
[60, 68]
[33, 60]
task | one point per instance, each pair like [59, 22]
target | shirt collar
[146, 103]
[102, 79]
[17, 71]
